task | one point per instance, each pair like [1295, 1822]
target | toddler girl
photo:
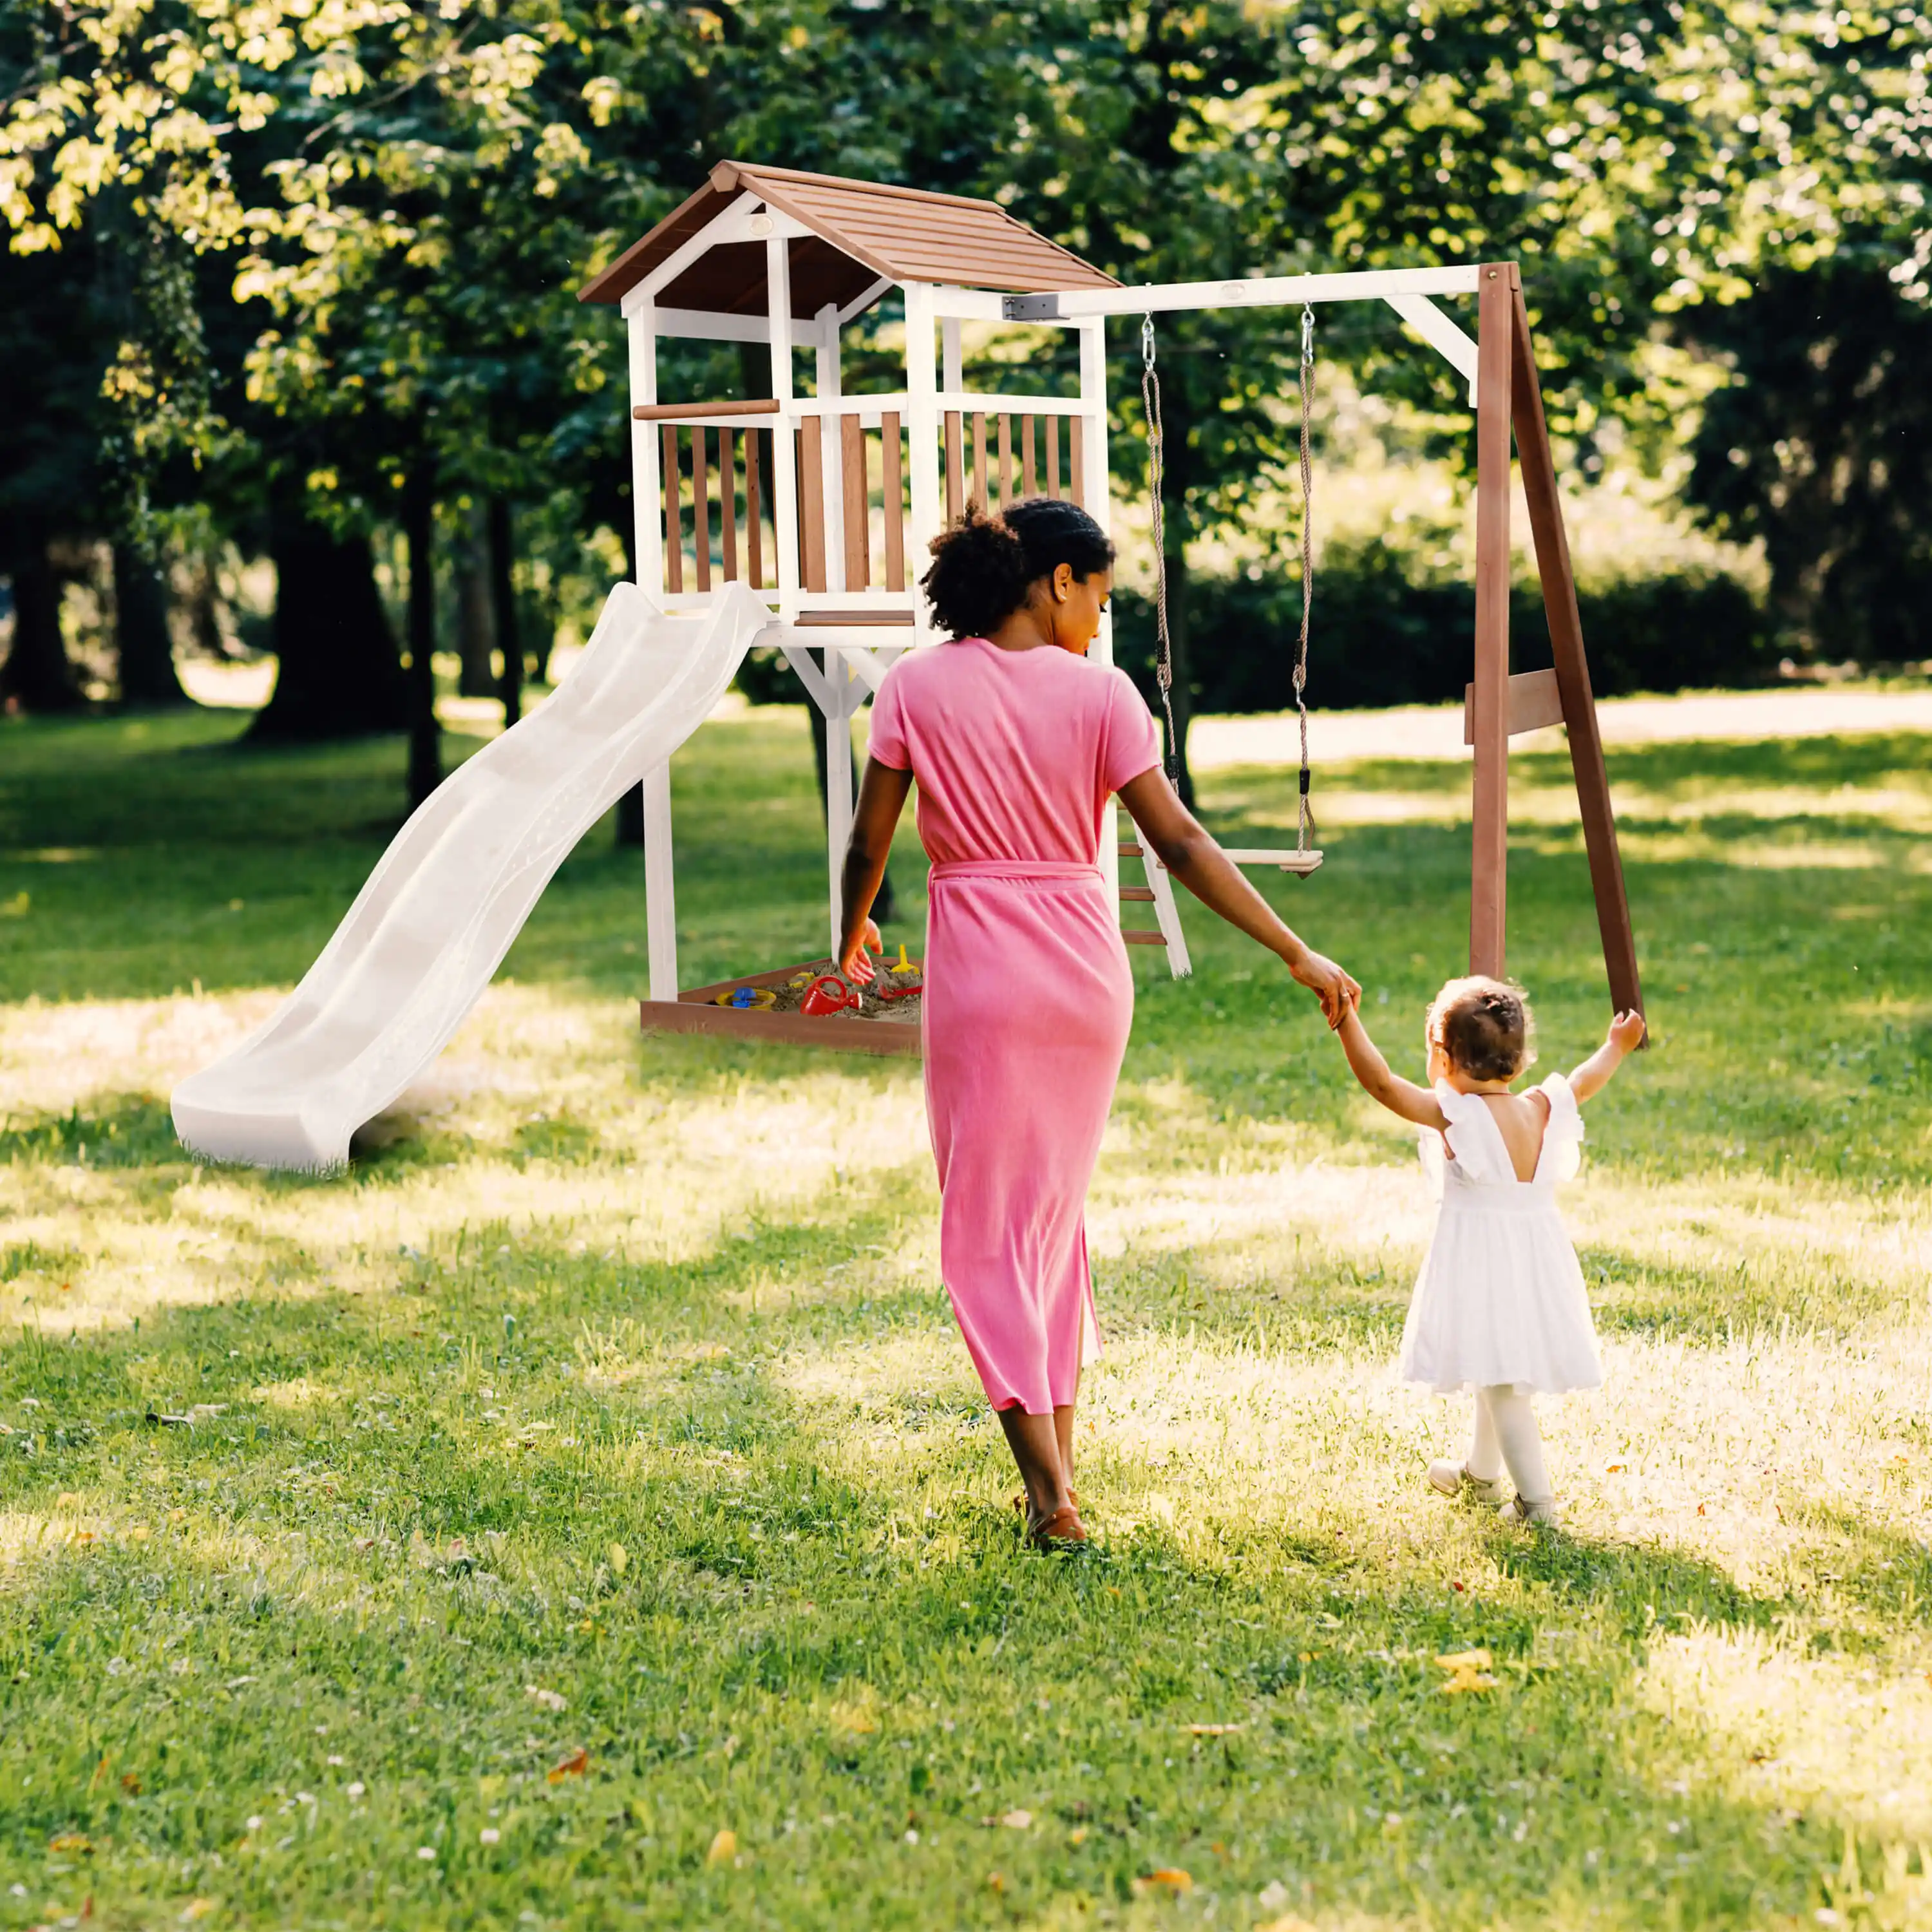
[1499, 1306]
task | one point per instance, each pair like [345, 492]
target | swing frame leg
[1509, 397]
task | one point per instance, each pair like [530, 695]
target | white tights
[1506, 1435]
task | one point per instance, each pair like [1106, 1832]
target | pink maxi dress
[1028, 995]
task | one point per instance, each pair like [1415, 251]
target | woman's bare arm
[882, 797]
[1400, 1096]
[1185, 847]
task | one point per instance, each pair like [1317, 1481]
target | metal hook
[1307, 335]
[1147, 341]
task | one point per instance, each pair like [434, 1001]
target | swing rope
[1163, 660]
[1305, 815]
[1163, 653]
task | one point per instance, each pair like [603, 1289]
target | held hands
[855, 966]
[1337, 990]
[1626, 1033]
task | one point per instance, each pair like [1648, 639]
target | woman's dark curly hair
[1484, 1026]
[984, 567]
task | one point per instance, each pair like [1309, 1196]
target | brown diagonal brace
[1573, 670]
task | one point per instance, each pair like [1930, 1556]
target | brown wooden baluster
[674, 548]
[728, 498]
[700, 507]
[811, 504]
[1053, 456]
[892, 487]
[1076, 457]
[956, 467]
[1029, 478]
[858, 504]
[754, 535]
[981, 495]
[1006, 461]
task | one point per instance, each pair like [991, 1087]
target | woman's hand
[856, 967]
[1337, 990]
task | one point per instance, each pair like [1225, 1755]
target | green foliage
[1820, 447]
[1389, 629]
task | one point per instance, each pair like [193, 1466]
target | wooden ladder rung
[1130, 851]
[1144, 894]
[1134, 938]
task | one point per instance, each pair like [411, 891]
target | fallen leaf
[723, 1848]
[550, 1700]
[994, 1882]
[196, 1908]
[619, 1558]
[1469, 1670]
[1215, 1730]
[1077, 1836]
[131, 1784]
[1616, 1468]
[70, 1841]
[1018, 1821]
[1169, 1878]
[574, 1765]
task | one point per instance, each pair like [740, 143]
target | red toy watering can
[827, 995]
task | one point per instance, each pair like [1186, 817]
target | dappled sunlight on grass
[610, 1403]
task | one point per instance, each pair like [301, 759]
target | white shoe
[1538, 1515]
[1452, 1479]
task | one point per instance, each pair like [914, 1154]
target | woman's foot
[1061, 1530]
[1452, 1479]
[1020, 1501]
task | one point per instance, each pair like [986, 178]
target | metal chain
[1305, 820]
[1163, 656]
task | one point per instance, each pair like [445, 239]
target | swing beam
[1501, 365]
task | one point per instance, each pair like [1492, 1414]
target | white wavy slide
[431, 925]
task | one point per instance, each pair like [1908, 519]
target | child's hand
[1627, 1032]
[856, 967]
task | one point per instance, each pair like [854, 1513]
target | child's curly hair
[1484, 1026]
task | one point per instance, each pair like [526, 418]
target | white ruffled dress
[1500, 1297]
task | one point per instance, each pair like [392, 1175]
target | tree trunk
[476, 617]
[502, 542]
[146, 649]
[425, 735]
[338, 674]
[38, 674]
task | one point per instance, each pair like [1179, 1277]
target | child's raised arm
[1400, 1096]
[1626, 1034]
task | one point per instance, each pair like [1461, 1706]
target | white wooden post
[832, 448]
[784, 460]
[845, 690]
[1093, 456]
[660, 894]
[923, 437]
[647, 478]
[952, 379]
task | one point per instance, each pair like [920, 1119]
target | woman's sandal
[1063, 1530]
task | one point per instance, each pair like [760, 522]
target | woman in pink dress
[1016, 743]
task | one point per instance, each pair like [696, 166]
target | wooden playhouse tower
[823, 503]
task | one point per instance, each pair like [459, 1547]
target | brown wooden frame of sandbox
[698, 1011]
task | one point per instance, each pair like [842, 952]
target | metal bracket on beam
[1031, 308]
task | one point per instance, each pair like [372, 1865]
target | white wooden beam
[700, 325]
[646, 469]
[1442, 333]
[660, 895]
[831, 446]
[1254, 291]
[784, 472]
[922, 441]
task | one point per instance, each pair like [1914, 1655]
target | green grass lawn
[582, 1513]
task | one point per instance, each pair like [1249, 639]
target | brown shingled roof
[862, 233]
